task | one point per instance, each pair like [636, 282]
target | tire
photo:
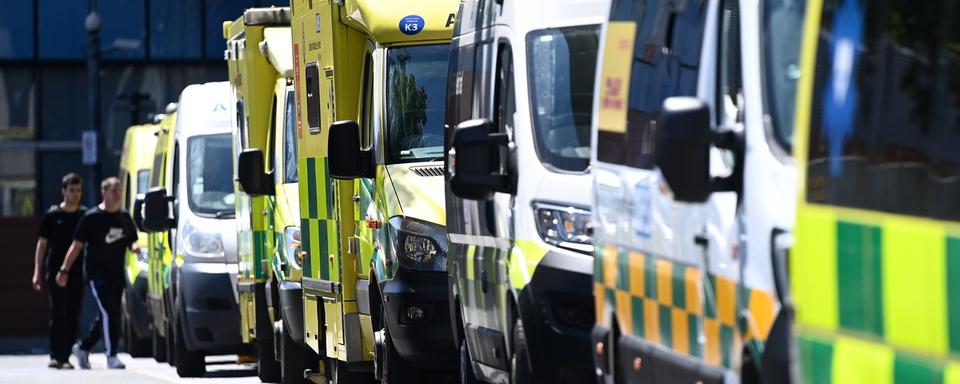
[341, 375]
[466, 365]
[171, 344]
[159, 346]
[396, 370]
[294, 358]
[268, 368]
[189, 363]
[520, 368]
[135, 346]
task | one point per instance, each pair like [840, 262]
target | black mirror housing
[156, 210]
[683, 148]
[250, 174]
[346, 160]
[138, 212]
[475, 161]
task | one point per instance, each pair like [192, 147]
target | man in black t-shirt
[56, 233]
[105, 232]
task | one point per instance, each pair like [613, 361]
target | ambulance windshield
[416, 91]
[561, 66]
[209, 184]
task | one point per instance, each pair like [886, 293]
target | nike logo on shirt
[114, 235]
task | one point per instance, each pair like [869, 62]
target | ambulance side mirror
[156, 210]
[475, 161]
[138, 212]
[347, 160]
[253, 180]
[684, 141]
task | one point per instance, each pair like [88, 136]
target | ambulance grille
[428, 171]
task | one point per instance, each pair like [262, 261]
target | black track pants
[107, 295]
[65, 303]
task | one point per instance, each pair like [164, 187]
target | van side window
[366, 103]
[729, 104]
[290, 172]
[272, 137]
[506, 105]
[885, 111]
[242, 124]
[665, 63]
[312, 77]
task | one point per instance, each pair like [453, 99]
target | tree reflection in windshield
[416, 87]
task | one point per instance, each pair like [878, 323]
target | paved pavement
[28, 369]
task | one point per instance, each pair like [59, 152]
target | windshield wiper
[226, 215]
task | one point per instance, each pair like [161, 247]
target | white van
[204, 316]
[519, 103]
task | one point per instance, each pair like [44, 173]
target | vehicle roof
[528, 15]
[204, 109]
[384, 19]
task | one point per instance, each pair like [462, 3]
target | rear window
[885, 123]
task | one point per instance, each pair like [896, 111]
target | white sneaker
[83, 357]
[114, 363]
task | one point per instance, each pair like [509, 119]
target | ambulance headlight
[419, 245]
[292, 248]
[565, 227]
[199, 243]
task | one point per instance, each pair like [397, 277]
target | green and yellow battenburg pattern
[318, 228]
[877, 295]
[877, 290]
[671, 304]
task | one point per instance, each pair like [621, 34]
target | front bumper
[427, 342]
[558, 312]
[135, 297]
[209, 313]
[291, 309]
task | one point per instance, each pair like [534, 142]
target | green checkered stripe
[318, 229]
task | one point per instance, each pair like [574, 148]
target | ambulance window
[729, 105]
[312, 76]
[271, 153]
[665, 63]
[155, 176]
[505, 106]
[415, 95]
[143, 181]
[242, 124]
[885, 120]
[561, 67]
[290, 173]
[782, 32]
[127, 189]
[366, 118]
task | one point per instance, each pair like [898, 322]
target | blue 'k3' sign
[411, 25]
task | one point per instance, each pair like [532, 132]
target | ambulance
[260, 60]
[190, 210]
[875, 270]
[518, 112]
[693, 191]
[370, 83]
[136, 159]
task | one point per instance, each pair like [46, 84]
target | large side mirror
[474, 162]
[347, 160]
[253, 180]
[683, 150]
[138, 212]
[156, 210]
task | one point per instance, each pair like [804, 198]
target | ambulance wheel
[294, 358]
[520, 369]
[189, 363]
[171, 343]
[268, 368]
[159, 346]
[136, 346]
[341, 375]
[466, 365]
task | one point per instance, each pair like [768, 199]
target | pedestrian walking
[104, 233]
[56, 233]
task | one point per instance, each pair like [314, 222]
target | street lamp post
[91, 137]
